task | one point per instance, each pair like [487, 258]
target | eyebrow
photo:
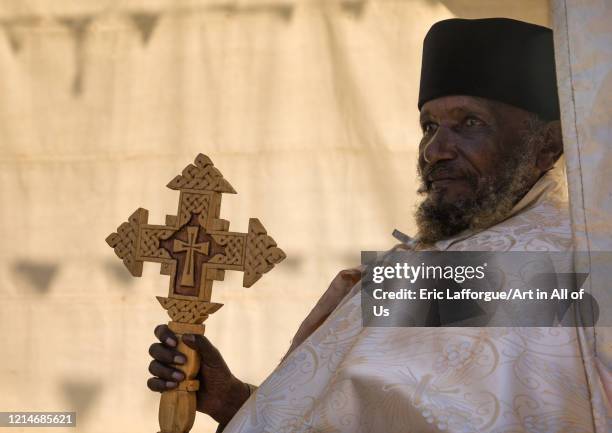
[425, 115]
[480, 111]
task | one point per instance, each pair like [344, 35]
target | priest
[491, 180]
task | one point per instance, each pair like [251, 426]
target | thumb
[209, 354]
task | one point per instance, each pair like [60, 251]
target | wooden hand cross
[194, 248]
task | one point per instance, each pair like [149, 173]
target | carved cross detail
[195, 247]
[190, 247]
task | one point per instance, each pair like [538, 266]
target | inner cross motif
[190, 247]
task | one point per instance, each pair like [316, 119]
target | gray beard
[492, 203]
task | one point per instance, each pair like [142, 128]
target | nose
[440, 147]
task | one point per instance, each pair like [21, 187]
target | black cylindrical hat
[495, 58]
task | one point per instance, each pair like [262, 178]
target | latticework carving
[125, 241]
[188, 311]
[261, 253]
[193, 203]
[149, 243]
[233, 252]
[202, 176]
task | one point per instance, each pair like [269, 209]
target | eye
[472, 122]
[429, 128]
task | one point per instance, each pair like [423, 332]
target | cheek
[483, 157]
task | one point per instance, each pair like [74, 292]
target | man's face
[474, 163]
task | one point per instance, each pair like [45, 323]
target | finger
[166, 355]
[162, 371]
[160, 385]
[165, 335]
[209, 354]
[351, 274]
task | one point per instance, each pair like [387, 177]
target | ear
[552, 146]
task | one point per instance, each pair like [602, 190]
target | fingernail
[179, 359]
[171, 384]
[171, 341]
[189, 337]
[178, 375]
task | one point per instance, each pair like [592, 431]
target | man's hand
[220, 394]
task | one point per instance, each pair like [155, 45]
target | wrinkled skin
[470, 153]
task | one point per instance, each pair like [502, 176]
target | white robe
[347, 378]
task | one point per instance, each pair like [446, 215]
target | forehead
[457, 104]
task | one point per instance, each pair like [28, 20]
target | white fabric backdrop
[307, 107]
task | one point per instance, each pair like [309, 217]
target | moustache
[444, 170]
